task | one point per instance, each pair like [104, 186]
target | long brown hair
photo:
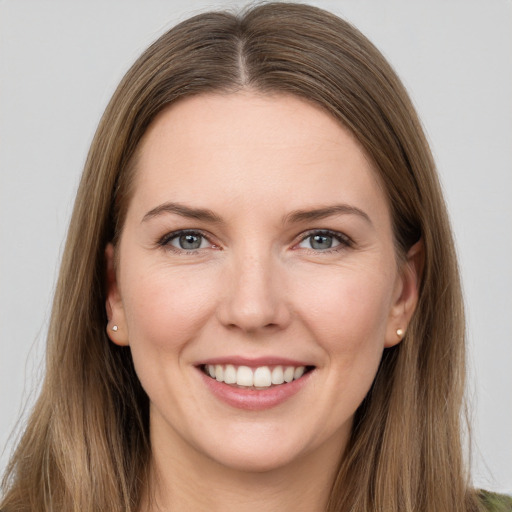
[86, 444]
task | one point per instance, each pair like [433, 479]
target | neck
[183, 479]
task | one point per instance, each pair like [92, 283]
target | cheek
[348, 309]
[165, 307]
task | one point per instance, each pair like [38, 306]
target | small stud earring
[399, 332]
[115, 328]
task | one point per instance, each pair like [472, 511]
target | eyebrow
[322, 213]
[293, 217]
[184, 211]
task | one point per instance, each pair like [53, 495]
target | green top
[496, 502]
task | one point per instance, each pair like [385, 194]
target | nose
[254, 298]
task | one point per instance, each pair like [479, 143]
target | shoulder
[493, 502]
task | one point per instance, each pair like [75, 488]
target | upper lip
[254, 362]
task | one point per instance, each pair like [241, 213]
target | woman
[259, 304]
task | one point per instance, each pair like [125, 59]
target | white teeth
[230, 374]
[288, 373]
[298, 373]
[277, 375]
[261, 377]
[244, 376]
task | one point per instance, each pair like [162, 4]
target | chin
[255, 460]
[266, 449]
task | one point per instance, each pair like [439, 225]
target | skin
[256, 287]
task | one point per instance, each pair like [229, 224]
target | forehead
[252, 149]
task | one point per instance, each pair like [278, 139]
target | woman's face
[257, 283]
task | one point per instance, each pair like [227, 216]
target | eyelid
[343, 239]
[164, 241]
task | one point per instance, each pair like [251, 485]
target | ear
[405, 296]
[116, 327]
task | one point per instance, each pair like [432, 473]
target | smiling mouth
[262, 377]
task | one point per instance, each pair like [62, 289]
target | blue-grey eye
[320, 242]
[189, 241]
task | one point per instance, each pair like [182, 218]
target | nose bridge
[255, 299]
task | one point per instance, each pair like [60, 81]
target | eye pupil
[321, 242]
[190, 241]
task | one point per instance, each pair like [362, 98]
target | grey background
[60, 62]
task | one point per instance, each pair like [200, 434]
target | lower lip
[252, 399]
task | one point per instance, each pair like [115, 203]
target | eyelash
[169, 237]
[344, 241]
